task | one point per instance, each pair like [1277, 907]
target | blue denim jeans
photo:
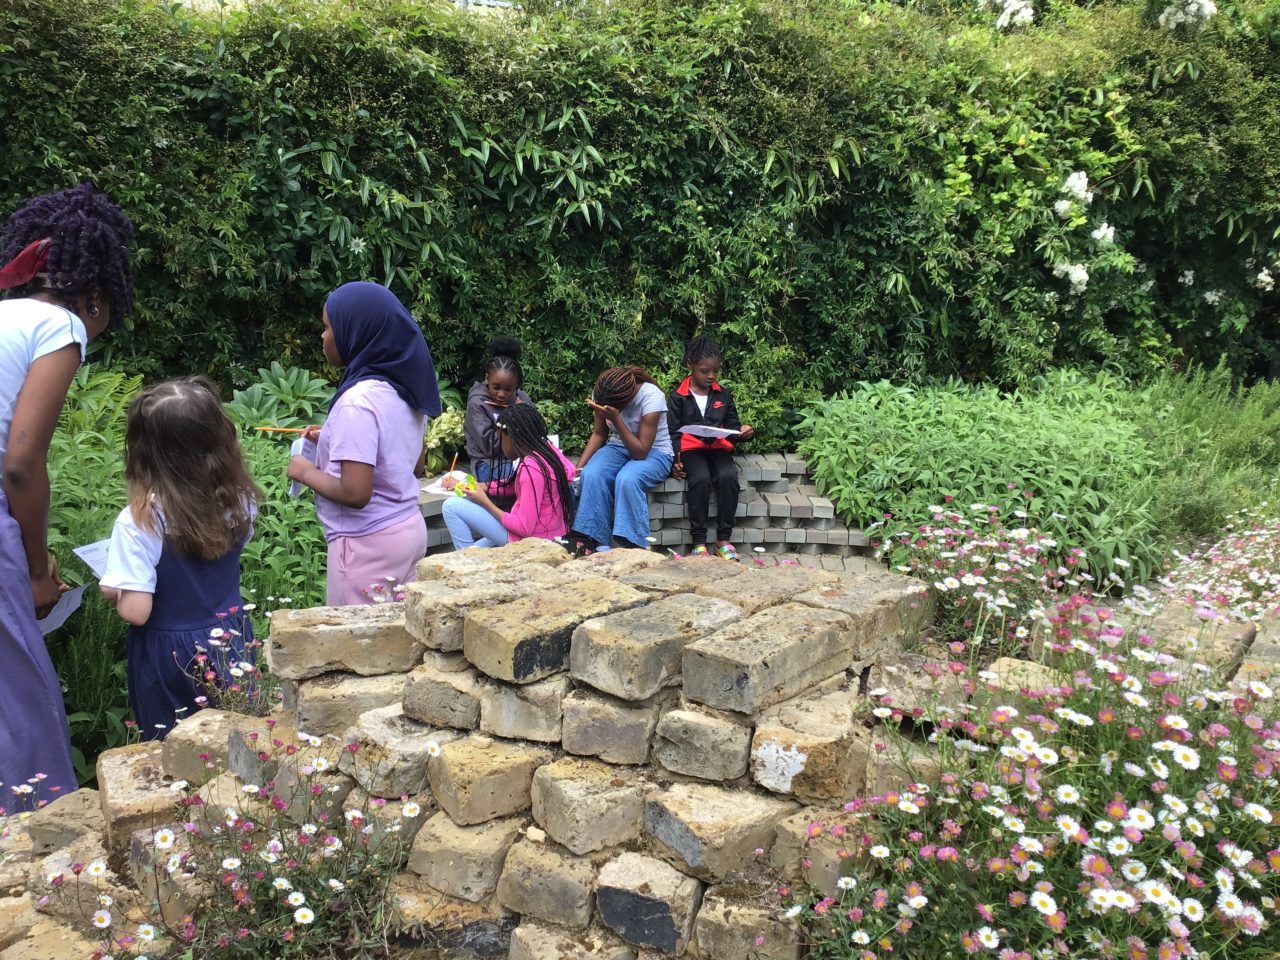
[614, 501]
[471, 525]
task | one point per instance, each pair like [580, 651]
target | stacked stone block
[615, 737]
[599, 747]
[626, 776]
[779, 511]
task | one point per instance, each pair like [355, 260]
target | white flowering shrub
[1191, 16]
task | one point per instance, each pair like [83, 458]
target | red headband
[24, 267]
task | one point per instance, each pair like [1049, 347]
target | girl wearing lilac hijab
[64, 259]
[369, 451]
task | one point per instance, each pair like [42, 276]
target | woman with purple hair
[64, 259]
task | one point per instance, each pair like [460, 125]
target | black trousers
[702, 468]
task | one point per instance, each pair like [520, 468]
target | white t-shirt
[648, 399]
[29, 330]
[701, 400]
[134, 554]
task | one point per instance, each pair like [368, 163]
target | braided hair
[90, 237]
[618, 386]
[504, 354]
[528, 432]
[701, 348]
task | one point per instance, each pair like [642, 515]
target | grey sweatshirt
[484, 442]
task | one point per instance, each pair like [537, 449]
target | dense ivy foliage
[841, 190]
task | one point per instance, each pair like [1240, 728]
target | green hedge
[842, 190]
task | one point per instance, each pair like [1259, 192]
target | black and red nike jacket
[682, 411]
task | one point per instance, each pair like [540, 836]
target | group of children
[173, 564]
[637, 440]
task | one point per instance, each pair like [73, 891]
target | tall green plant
[840, 190]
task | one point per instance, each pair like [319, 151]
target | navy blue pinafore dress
[193, 598]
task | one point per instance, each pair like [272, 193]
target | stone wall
[615, 757]
[618, 735]
[779, 510]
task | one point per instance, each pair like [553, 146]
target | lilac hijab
[379, 340]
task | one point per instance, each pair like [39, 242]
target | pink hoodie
[536, 512]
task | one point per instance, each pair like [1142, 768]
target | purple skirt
[33, 719]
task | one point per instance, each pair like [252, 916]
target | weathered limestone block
[435, 609]
[728, 928]
[475, 563]
[709, 831]
[900, 764]
[1020, 684]
[587, 806]
[368, 639]
[914, 684]
[17, 917]
[311, 783]
[64, 821]
[478, 779]
[457, 929]
[683, 576]
[885, 609]
[219, 800]
[636, 653]
[541, 881]
[166, 884]
[1220, 644]
[50, 940]
[332, 702]
[615, 730]
[196, 748]
[614, 563]
[769, 657]
[812, 747]
[756, 589]
[464, 862]
[74, 898]
[819, 858]
[133, 791]
[696, 743]
[254, 751]
[16, 853]
[532, 941]
[395, 821]
[530, 550]
[647, 902]
[443, 698]
[531, 711]
[529, 638]
[393, 752]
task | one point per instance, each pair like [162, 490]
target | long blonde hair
[186, 476]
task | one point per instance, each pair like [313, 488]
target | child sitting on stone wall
[702, 401]
[541, 483]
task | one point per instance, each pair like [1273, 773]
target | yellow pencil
[282, 429]
[455, 461]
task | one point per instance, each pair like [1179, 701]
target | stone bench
[779, 510]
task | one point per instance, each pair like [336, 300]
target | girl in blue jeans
[629, 454]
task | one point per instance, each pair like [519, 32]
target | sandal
[700, 551]
[728, 552]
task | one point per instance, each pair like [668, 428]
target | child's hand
[448, 483]
[677, 471]
[747, 431]
[609, 413]
[299, 468]
[311, 433]
[477, 495]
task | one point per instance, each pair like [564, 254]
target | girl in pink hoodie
[541, 485]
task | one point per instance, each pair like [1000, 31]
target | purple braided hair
[91, 237]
